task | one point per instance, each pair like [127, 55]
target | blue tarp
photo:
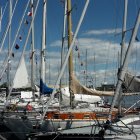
[44, 89]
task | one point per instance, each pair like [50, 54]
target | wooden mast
[69, 20]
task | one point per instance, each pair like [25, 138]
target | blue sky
[97, 35]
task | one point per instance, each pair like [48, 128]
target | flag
[17, 46]
[29, 14]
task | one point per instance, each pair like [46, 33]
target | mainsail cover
[44, 89]
[131, 82]
[21, 79]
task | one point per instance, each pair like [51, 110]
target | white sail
[21, 79]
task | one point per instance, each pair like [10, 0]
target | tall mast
[0, 17]
[69, 43]
[123, 48]
[62, 49]
[9, 45]
[86, 67]
[94, 72]
[123, 33]
[42, 75]
[32, 55]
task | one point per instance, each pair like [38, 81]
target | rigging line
[66, 59]
[132, 106]
[24, 47]
[8, 26]
[4, 10]
[2, 13]
[6, 61]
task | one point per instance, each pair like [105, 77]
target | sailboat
[76, 120]
[30, 119]
[76, 117]
[68, 119]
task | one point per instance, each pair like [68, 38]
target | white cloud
[103, 31]
[56, 43]
[104, 51]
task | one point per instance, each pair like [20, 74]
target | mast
[125, 63]
[86, 67]
[69, 43]
[123, 33]
[94, 72]
[0, 17]
[32, 54]
[42, 75]
[62, 49]
[123, 46]
[9, 45]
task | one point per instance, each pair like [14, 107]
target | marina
[51, 59]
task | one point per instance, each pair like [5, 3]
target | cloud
[56, 43]
[103, 31]
[102, 53]
[99, 49]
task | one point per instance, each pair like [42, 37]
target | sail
[21, 79]
[78, 88]
[44, 89]
[131, 82]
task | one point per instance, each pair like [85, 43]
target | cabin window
[56, 116]
[86, 116]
